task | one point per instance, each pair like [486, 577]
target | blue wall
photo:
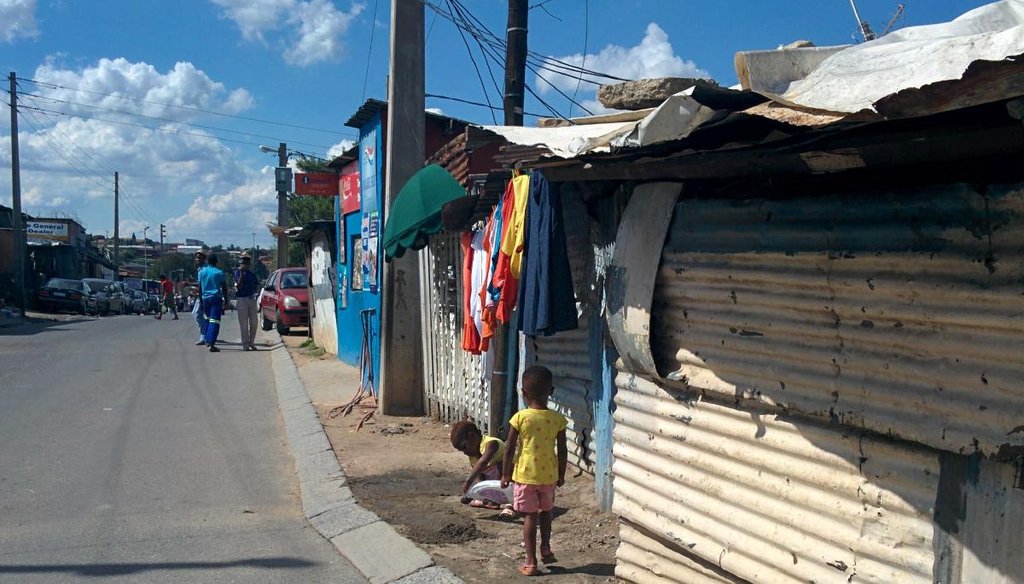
[350, 227]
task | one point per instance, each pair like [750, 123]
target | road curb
[379, 552]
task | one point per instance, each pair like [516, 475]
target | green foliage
[170, 264]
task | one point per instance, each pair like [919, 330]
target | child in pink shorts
[536, 433]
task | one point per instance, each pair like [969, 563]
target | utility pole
[515, 61]
[117, 228]
[17, 220]
[163, 232]
[515, 89]
[282, 211]
[401, 357]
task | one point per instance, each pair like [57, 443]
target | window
[293, 280]
[356, 273]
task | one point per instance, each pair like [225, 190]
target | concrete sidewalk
[373, 546]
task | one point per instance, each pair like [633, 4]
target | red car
[285, 300]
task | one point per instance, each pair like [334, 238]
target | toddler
[485, 454]
[536, 433]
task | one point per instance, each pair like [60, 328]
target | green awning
[416, 212]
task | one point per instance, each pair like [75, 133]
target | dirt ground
[405, 470]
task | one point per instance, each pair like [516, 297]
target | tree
[303, 210]
[176, 266]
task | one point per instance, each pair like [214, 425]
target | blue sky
[177, 96]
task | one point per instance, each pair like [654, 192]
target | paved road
[129, 454]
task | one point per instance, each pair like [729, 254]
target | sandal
[529, 570]
[548, 558]
[481, 504]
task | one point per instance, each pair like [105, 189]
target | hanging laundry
[470, 332]
[548, 302]
[480, 266]
[506, 275]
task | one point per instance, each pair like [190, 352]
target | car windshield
[97, 284]
[63, 284]
[293, 280]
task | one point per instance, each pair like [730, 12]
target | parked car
[67, 294]
[138, 302]
[285, 300]
[109, 296]
[153, 303]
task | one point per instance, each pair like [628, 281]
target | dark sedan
[66, 294]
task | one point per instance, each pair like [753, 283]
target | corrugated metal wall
[723, 495]
[900, 313]
[457, 382]
[568, 355]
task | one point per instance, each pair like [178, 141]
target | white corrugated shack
[810, 319]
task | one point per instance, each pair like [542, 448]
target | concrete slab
[342, 519]
[380, 553]
[435, 575]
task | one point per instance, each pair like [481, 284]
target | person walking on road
[212, 283]
[246, 288]
[197, 306]
[167, 300]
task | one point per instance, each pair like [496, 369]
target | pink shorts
[533, 498]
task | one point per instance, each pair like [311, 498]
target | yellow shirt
[537, 462]
[515, 232]
[496, 459]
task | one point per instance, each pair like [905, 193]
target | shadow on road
[32, 326]
[121, 569]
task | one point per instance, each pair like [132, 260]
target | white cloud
[137, 88]
[311, 30]
[339, 148]
[18, 20]
[165, 166]
[435, 110]
[653, 57]
[244, 209]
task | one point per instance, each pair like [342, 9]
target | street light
[145, 253]
[282, 201]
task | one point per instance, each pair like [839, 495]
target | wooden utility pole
[401, 358]
[17, 221]
[117, 228]
[515, 61]
[282, 211]
[515, 89]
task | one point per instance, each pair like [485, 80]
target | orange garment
[510, 258]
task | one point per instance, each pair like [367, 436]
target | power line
[483, 88]
[169, 120]
[476, 103]
[369, 50]
[188, 108]
[586, 41]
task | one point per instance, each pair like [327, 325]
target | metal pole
[117, 228]
[145, 254]
[865, 29]
[17, 220]
[282, 212]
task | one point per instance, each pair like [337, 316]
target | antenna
[900, 8]
[865, 28]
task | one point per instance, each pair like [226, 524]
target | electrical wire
[586, 41]
[369, 50]
[477, 103]
[168, 120]
[475, 66]
[187, 108]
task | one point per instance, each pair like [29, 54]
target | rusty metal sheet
[899, 313]
[762, 498]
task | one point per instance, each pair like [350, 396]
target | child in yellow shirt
[486, 454]
[537, 433]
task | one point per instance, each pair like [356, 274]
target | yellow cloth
[537, 462]
[496, 459]
[515, 232]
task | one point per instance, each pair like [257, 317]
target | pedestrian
[211, 282]
[246, 288]
[197, 304]
[167, 292]
[537, 433]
